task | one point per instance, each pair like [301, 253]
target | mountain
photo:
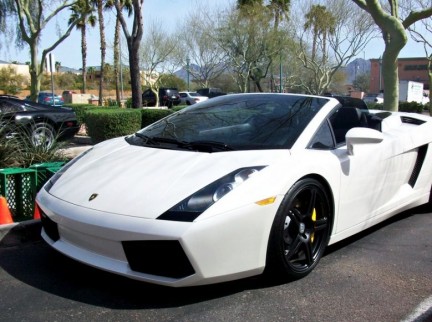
[357, 67]
[182, 73]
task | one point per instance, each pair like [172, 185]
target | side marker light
[265, 202]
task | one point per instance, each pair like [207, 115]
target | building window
[415, 67]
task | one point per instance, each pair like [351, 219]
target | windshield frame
[258, 121]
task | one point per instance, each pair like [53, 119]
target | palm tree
[322, 22]
[84, 11]
[57, 66]
[99, 4]
[242, 3]
[126, 5]
[133, 40]
[280, 8]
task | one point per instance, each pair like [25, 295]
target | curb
[82, 139]
[19, 233]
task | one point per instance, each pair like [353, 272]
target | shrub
[149, 116]
[128, 103]
[111, 102]
[80, 110]
[18, 151]
[178, 108]
[103, 124]
[375, 106]
[413, 107]
[30, 154]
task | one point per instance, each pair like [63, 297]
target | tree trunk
[84, 59]
[430, 84]
[103, 50]
[117, 66]
[394, 44]
[34, 79]
[135, 74]
[133, 42]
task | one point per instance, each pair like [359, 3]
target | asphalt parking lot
[383, 274]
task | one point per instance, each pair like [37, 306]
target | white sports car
[232, 186]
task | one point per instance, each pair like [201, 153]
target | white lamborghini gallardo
[235, 185]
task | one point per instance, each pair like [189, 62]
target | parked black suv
[210, 92]
[167, 97]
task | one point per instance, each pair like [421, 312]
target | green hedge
[107, 123]
[149, 116]
[412, 107]
[128, 102]
[104, 123]
[80, 110]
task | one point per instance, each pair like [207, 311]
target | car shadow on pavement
[403, 215]
[36, 264]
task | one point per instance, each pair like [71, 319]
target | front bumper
[222, 248]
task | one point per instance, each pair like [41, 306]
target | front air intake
[49, 226]
[158, 257]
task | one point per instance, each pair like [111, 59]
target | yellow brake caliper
[313, 220]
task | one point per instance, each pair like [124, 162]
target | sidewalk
[78, 145]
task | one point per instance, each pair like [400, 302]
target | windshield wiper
[156, 140]
[201, 145]
[207, 146]
[147, 139]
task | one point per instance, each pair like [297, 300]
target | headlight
[59, 173]
[193, 206]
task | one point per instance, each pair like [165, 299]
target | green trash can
[18, 186]
[45, 171]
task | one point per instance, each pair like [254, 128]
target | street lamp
[187, 70]
[355, 71]
[380, 73]
[280, 72]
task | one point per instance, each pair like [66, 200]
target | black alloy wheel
[301, 230]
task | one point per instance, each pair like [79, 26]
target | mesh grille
[158, 257]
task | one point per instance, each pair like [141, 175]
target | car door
[366, 176]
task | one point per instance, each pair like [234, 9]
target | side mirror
[360, 136]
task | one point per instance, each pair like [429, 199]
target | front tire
[300, 231]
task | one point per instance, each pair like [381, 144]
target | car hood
[145, 182]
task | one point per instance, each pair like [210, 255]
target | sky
[169, 14]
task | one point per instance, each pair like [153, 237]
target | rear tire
[300, 231]
[42, 135]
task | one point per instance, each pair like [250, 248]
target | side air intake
[421, 155]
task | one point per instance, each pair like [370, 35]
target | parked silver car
[190, 98]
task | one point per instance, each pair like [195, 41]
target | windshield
[234, 122]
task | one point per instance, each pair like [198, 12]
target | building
[411, 69]
[20, 69]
